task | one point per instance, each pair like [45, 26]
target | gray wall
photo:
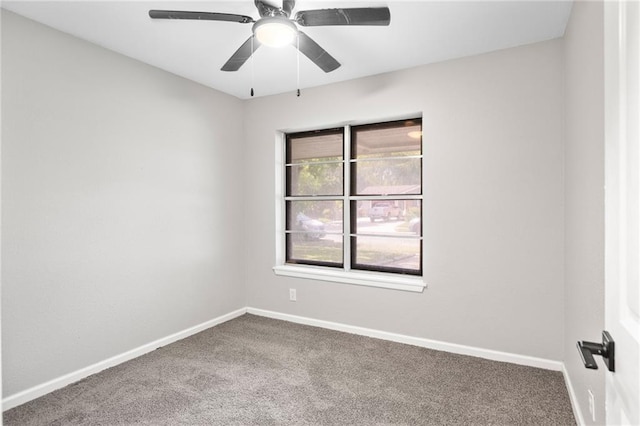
[584, 197]
[493, 126]
[120, 204]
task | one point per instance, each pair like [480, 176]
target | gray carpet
[259, 371]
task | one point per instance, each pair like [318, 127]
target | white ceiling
[421, 32]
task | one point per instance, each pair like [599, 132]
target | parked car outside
[384, 211]
[415, 226]
[314, 229]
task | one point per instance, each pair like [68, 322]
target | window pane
[315, 179]
[323, 251]
[314, 216]
[386, 254]
[385, 235]
[387, 177]
[383, 163]
[387, 217]
[314, 232]
[324, 145]
[398, 138]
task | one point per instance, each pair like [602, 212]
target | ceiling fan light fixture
[276, 27]
[275, 31]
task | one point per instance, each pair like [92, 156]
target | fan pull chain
[252, 75]
[298, 63]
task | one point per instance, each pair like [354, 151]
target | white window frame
[395, 281]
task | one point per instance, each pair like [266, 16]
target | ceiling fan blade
[355, 16]
[287, 6]
[317, 54]
[204, 16]
[266, 9]
[243, 53]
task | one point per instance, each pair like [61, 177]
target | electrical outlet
[592, 405]
[292, 294]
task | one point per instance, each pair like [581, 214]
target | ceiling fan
[276, 28]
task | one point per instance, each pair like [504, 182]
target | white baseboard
[416, 341]
[60, 382]
[575, 405]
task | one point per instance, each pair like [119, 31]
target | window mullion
[281, 192]
[313, 163]
[404, 157]
[387, 197]
[346, 207]
[313, 198]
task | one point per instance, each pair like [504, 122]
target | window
[352, 204]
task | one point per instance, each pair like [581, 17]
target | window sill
[376, 279]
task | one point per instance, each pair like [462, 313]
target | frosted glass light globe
[275, 31]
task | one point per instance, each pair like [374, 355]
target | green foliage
[319, 179]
